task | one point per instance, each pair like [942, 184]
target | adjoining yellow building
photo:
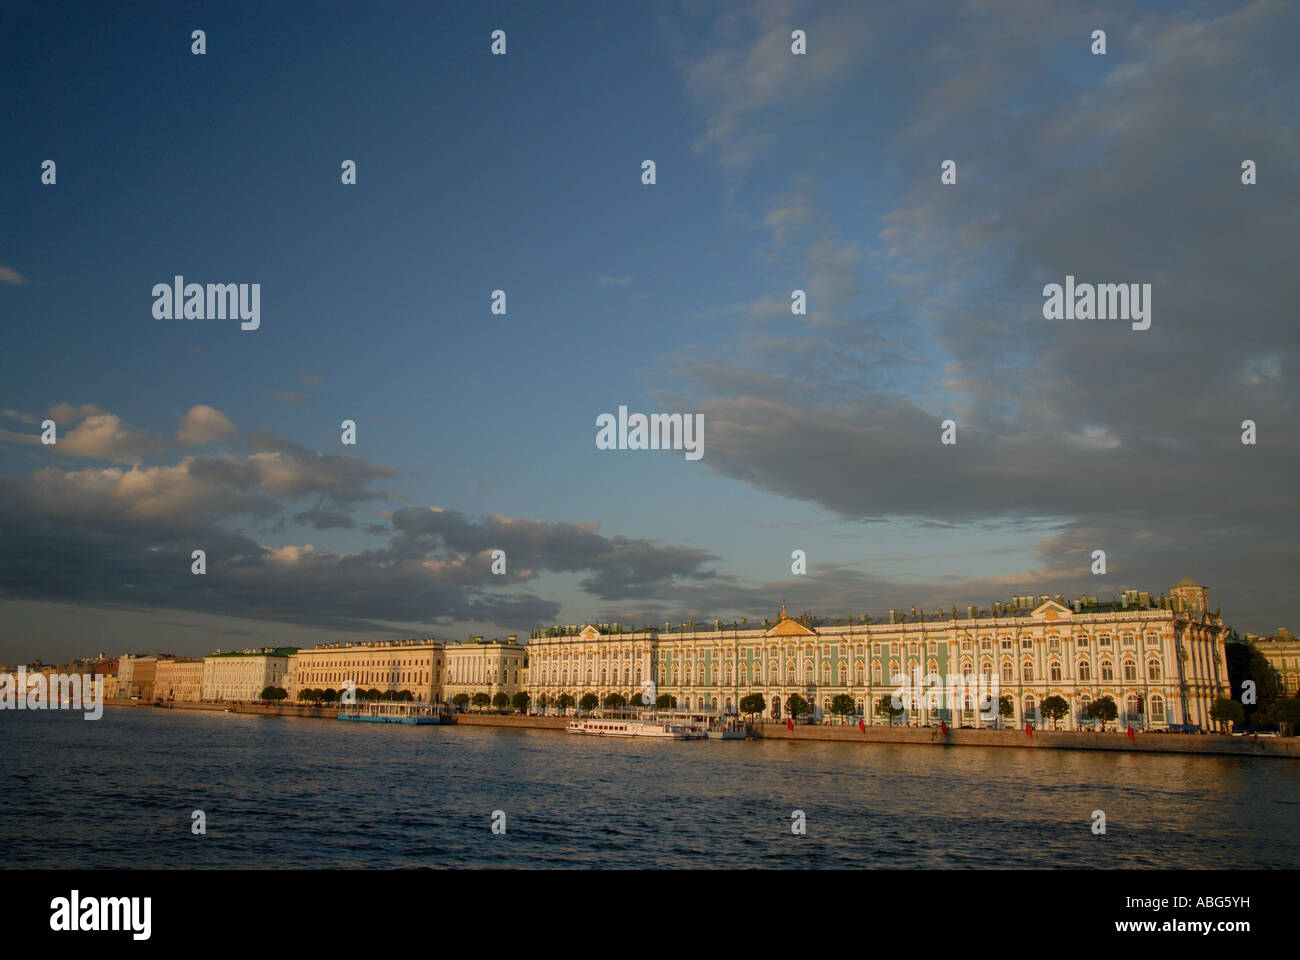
[383, 665]
[135, 676]
[179, 679]
[1282, 651]
[1162, 661]
[486, 666]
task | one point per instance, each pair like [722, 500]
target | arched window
[1006, 671]
[1130, 671]
[1029, 707]
[1055, 672]
[1085, 672]
[1157, 708]
[875, 673]
[1131, 707]
[1153, 672]
[1027, 671]
[1107, 671]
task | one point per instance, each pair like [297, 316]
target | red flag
[789, 723]
[1130, 733]
[944, 727]
[862, 726]
[1029, 731]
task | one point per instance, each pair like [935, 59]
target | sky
[522, 172]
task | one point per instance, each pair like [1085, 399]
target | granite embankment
[928, 736]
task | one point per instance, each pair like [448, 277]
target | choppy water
[280, 792]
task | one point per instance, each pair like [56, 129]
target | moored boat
[654, 729]
[395, 711]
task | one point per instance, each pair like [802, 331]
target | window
[1055, 672]
[1130, 671]
[1153, 672]
[1006, 643]
[1107, 671]
[1027, 644]
[1027, 670]
[1053, 642]
[1157, 709]
[1104, 641]
[1085, 671]
[986, 646]
[1081, 640]
[1006, 671]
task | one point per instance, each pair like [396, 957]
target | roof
[1187, 582]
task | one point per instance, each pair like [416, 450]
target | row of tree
[330, 695]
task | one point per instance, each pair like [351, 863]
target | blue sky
[522, 173]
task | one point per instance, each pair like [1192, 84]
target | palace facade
[389, 666]
[485, 666]
[1162, 661]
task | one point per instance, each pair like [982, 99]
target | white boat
[656, 729]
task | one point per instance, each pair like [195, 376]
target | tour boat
[395, 711]
[656, 729]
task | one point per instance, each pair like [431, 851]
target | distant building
[1161, 660]
[179, 679]
[1282, 651]
[486, 666]
[245, 674]
[135, 676]
[382, 665]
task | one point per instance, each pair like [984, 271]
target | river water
[286, 792]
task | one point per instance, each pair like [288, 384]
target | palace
[1162, 661]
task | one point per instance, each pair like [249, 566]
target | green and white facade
[1162, 662]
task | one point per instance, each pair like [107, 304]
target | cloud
[124, 537]
[20, 416]
[8, 275]
[203, 424]
[103, 436]
[310, 379]
[293, 399]
[1126, 440]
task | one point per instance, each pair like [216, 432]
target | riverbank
[1204, 744]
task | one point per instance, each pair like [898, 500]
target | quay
[1115, 741]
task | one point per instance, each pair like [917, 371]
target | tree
[1102, 709]
[1054, 708]
[752, 704]
[304, 694]
[1226, 710]
[797, 706]
[588, 702]
[563, 702]
[480, 699]
[520, 701]
[461, 700]
[1245, 662]
[842, 705]
[665, 701]
[885, 708]
[615, 700]
[268, 693]
[1285, 712]
[329, 694]
[1006, 708]
[501, 700]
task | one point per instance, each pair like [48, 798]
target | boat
[655, 729]
[396, 711]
